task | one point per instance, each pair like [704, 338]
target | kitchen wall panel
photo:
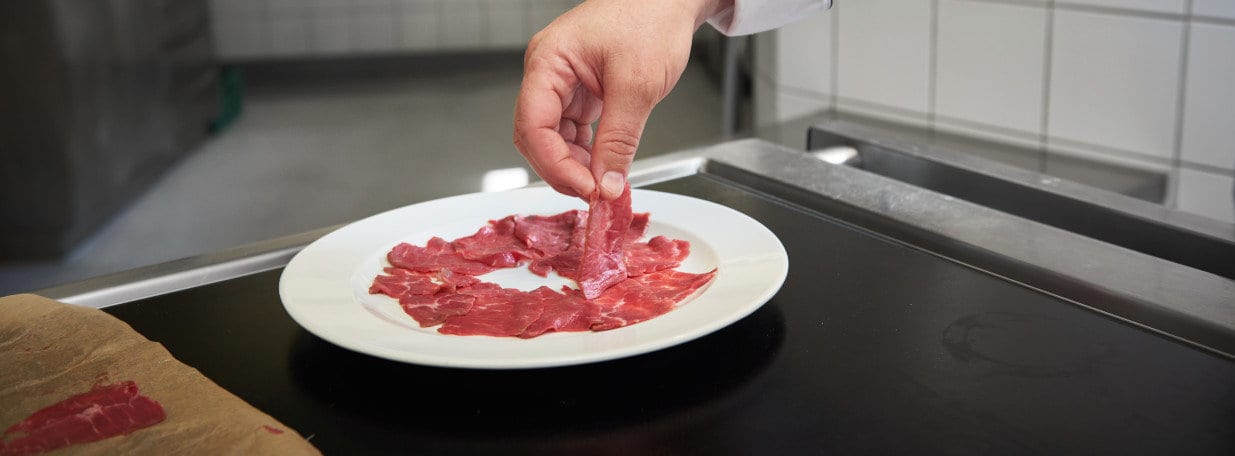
[1209, 119]
[884, 55]
[1114, 81]
[1139, 83]
[990, 64]
[248, 30]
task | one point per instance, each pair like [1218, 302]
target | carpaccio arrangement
[622, 281]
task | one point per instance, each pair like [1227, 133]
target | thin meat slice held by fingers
[494, 244]
[436, 255]
[566, 263]
[104, 411]
[654, 255]
[601, 265]
[647, 296]
[496, 311]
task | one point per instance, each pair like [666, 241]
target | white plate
[325, 287]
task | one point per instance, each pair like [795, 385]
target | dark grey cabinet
[97, 98]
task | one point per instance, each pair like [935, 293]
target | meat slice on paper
[601, 265]
[40, 337]
[103, 412]
[647, 296]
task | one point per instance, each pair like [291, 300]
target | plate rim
[493, 362]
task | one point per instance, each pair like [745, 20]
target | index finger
[538, 112]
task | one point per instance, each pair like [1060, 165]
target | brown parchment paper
[50, 351]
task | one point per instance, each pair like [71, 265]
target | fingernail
[613, 183]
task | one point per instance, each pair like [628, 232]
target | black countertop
[872, 345]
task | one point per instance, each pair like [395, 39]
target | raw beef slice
[650, 295]
[494, 244]
[104, 411]
[434, 256]
[622, 281]
[601, 265]
[654, 255]
[497, 311]
[564, 312]
[548, 235]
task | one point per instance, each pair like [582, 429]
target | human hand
[611, 60]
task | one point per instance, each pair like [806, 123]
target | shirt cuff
[753, 16]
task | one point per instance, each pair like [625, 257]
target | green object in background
[231, 94]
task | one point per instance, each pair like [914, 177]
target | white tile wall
[792, 105]
[418, 24]
[329, 34]
[283, 9]
[990, 63]
[1214, 8]
[1207, 194]
[461, 25]
[808, 67]
[1209, 106]
[884, 53]
[1094, 154]
[1156, 6]
[1112, 87]
[766, 112]
[1114, 81]
[289, 36]
[251, 29]
[373, 31]
[883, 113]
[541, 13]
[242, 38]
[1023, 140]
[506, 24]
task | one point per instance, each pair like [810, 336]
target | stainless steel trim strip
[1188, 304]
[154, 280]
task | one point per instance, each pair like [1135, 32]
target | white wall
[265, 29]
[1148, 83]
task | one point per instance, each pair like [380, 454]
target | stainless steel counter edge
[1188, 304]
[842, 132]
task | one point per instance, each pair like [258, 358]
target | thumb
[625, 110]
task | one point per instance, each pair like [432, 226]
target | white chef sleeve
[753, 16]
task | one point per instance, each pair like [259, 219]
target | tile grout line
[835, 89]
[267, 22]
[1181, 92]
[396, 26]
[989, 128]
[308, 28]
[1048, 58]
[887, 109]
[1117, 11]
[933, 76]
